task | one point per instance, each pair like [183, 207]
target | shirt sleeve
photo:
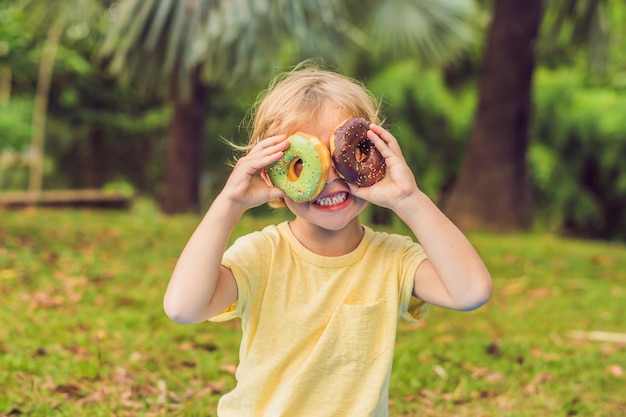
[246, 258]
[412, 309]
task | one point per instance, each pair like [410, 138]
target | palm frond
[158, 23]
[238, 40]
[431, 31]
[251, 36]
[42, 15]
[151, 43]
[583, 24]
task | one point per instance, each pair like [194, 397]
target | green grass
[83, 332]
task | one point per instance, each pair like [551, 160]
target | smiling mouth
[332, 200]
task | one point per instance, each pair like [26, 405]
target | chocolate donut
[355, 157]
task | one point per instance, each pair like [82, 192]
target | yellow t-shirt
[318, 332]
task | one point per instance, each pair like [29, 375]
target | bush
[15, 124]
[578, 138]
[430, 121]
[578, 142]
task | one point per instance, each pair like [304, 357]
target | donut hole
[363, 150]
[295, 169]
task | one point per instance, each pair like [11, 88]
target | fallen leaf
[494, 377]
[598, 336]
[440, 371]
[543, 378]
[231, 369]
[445, 338]
[185, 346]
[601, 260]
[94, 397]
[70, 390]
[531, 389]
[540, 292]
[162, 388]
[429, 394]
[7, 274]
[514, 287]
[616, 370]
[211, 388]
[43, 300]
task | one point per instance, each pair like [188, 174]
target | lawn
[83, 332]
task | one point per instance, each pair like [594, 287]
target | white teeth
[331, 201]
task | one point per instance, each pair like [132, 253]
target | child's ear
[266, 178]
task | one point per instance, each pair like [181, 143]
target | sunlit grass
[83, 332]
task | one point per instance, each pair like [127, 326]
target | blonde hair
[295, 97]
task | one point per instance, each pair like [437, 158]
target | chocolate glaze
[355, 157]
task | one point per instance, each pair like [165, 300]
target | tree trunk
[493, 190]
[5, 84]
[40, 110]
[94, 156]
[184, 151]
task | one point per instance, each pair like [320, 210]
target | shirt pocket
[363, 329]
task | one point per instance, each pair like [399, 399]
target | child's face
[335, 207]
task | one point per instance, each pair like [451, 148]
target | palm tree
[183, 49]
[492, 189]
[52, 20]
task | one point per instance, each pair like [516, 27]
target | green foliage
[98, 131]
[228, 124]
[15, 137]
[123, 144]
[15, 124]
[162, 45]
[584, 33]
[430, 121]
[15, 37]
[577, 137]
[84, 333]
[151, 43]
[431, 32]
[579, 140]
[577, 145]
[119, 188]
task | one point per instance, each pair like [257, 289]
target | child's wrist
[411, 204]
[228, 206]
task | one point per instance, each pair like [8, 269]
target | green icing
[304, 187]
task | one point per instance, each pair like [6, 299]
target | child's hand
[245, 186]
[398, 183]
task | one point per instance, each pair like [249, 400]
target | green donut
[315, 158]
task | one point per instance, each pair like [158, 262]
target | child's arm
[200, 287]
[454, 276]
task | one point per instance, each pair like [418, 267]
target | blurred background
[510, 113]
